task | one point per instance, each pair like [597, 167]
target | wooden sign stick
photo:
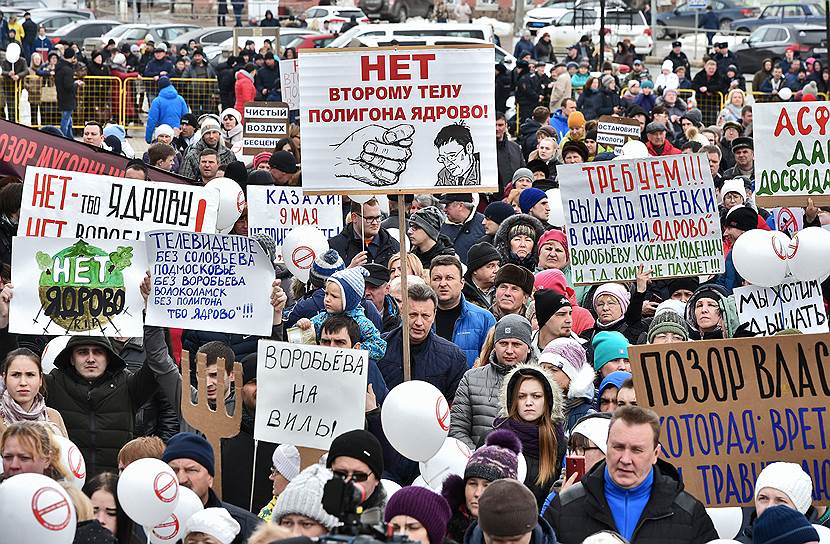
[407, 370]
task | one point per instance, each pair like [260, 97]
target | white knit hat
[790, 479]
[286, 460]
[164, 129]
[594, 429]
[304, 496]
[733, 186]
[216, 522]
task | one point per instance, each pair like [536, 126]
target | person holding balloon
[102, 493]
[28, 447]
[23, 398]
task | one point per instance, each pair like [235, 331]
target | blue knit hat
[498, 211]
[615, 379]
[324, 266]
[352, 284]
[190, 446]
[609, 345]
[530, 197]
[783, 525]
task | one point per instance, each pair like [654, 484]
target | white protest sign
[209, 282]
[616, 131]
[307, 395]
[403, 119]
[792, 305]
[660, 212]
[791, 159]
[788, 219]
[274, 211]
[64, 204]
[290, 83]
[70, 286]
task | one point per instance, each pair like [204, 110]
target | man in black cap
[283, 166]
[507, 512]
[657, 144]
[357, 456]
[377, 291]
[494, 214]
[392, 222]
[744, 152]
[464, 225]
[554, 315]
[677, 56]
[188, 126]
[483, 262]
[724, 57]
[739, 220]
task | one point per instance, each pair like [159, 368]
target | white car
[421, 29]
[551, 11]
[501, 56]
[619, 24]
[335, 16]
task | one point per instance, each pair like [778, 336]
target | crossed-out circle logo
[303, 257]
[167, 529]
[76, 463]
[442, 412]
[51, 509]
[166, 487]
[779, 248]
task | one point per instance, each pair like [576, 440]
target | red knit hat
[556, 236]
[261, 158]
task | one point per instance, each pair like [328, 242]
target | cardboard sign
[274, 211]
[209, 282]
[307, 395]
[660, 212]
[791, 158]
[70, 286]
[729, 407]
[265, 123]
[398, 120]
[62, 204]
[290, 83]
[792, 305]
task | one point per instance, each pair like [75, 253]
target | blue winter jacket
[471, 329]
[312, 305]
[167, 109]
[156, 67]
[560, 123]
[464, 236]
[730, 277]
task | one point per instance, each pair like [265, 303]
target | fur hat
[516, 275]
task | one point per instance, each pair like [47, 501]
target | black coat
[442, 247]
[671, 514]
[509, 158]
[237, 467]
[380, 249]
[266, 79]
[65, 85]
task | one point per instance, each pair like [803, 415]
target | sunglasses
[358, 477]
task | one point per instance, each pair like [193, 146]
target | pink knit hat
[557, 236]
[615, 290]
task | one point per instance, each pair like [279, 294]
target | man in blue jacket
[464, 226]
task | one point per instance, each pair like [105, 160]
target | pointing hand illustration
[374, 154]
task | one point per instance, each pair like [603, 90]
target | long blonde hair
[37, 437]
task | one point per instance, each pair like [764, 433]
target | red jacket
[668, 149]
[245, 91]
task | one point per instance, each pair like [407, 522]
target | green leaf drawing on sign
[44, 261]
[121, 258]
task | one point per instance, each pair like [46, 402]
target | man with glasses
[456, 153]
[363, 240]
[357, 457]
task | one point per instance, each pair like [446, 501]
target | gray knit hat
[429, 220]
[667, 321]
[304, 496]
[514, 326]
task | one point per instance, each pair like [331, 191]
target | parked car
[212, 35]
[771, 41]
[551, 11]
[287, 35]
[311, 42]
[396, 10]
[501, 56]
[135, 33]
[684, 16]
[619, 24]
[79, 31]
[459, 30]
[335, 16]
[783, 13]
[53, 19]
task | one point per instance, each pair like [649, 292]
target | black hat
[578, 147]
[260, 177]
[721, 45]
[655, 126]
[676, 43]
[69, 53]
[741, 218]
[249, 368]
[516, 275]
[689, 283]
[358, 444]
[741, 143]
[733, 124]
[499, 211]
[479, 255]
[538, 165]
[283, 161]
[548, 302]
[378, 274]
[190, 119]
[456, 197]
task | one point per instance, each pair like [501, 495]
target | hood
[453, 491]
[707, 290]
[115, 362]
[553, 392]
[243, 74]
[502, 241]
[169, 92]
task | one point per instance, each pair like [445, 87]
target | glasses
[371, 219]
[449, 157]
[582, 452]
[358, 477]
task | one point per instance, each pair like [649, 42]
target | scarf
[12, 412]
[528, 434]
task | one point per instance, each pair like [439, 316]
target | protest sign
[209, 282]
[792, 305]
[788, 219]
[729, 407]
[62, 204]
[792, 161]
[70, 286]
[265, 123]
[274, 211]
[660, 212]
[307, 395]
[398, 120]
[290, 83]
[615, 131]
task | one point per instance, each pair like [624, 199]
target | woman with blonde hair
[23, 396]
[735, 102]
[28, 448]
[413, 267]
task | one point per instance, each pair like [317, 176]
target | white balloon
[521, 470]
[72, 460]
[557, 211]
[172, 528]
[148, 491]
[807, 252]
[51, 351]
[361, 198]
[13, 52]
[634, 149]
[231, 203]
[416, 419]
[35, 508]
[785, 93]
[396, 234]
[451, 459]
[760, 258]
[299, 249]
[420, 482]
[823, 533]
[390, 487]
[727, 521]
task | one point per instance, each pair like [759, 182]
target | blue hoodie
[559, 122]
[615, 379]
[627, 505]
[167, 109]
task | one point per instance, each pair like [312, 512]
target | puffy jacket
[312, 304]
[380, 249]
[543, 533]
[465, 235]
[471, 329]
[190, 164]
[266, 81]
[560, 123]
[199, 71]
[65, 85]
[244, 90]
[167, 109]
[435, 360]
[670, 515]
[667, 150]
[596, 102]
[156, 67]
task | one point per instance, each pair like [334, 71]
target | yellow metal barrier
[201, 96]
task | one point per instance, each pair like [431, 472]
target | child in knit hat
[345, 290]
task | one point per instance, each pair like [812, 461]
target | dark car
[684, 16]
[783, 13]
[396, 10]
[78, 31]
[771, 41]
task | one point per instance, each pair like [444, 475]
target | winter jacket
[92, 532]
[471, 329]
[246, 520]
[199, 71]
[714, 84]
[594, 103]
[560, 123]
[527, 135]
[502, 240]
[543, 533]
[65, 85]
[312, 304]
[670, 515]
[266, 81]
[190, 164]
[232, 138]
[380, 249]
[370, 339]
[667, 150]
[523, 46]
[464, 236]
[509, 158]
[562, 88]
[158, 67]
[244, 90]
[167, 109]
[238, 467]
[442, 247]
[474, 295]
[435, 360]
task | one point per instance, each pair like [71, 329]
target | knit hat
[777, 525]
[530, 197]
[361, 445]
[667, 65]
[284, 161]
[607, 79]
[111, 129]
[304, 496]
[190, 446]
[261, 158]
[538, 165]
[514, 326]
[647, 84]
[615, 290]
[742, 218]
[553, 278]
[566, 354]
[499, 211]
[594, 427]
[790, 479]
[233, 113]
[429, 220]
[576, 120]
[497, 458]
[556, 236]
[480, 254]
[615, 379]
[608, 345]
[668, 321]
[695, 116]
[352, 284]
[163, 82]
[548, 302]
[522, 173]
[324, 266]
[515, 275]
[215, 522]
[209, 123]
[507, 508]
[428, 507]
[167, 130]
[286, 460]
[576, 147]
[733, 186]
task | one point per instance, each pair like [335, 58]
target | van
[420, 30]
